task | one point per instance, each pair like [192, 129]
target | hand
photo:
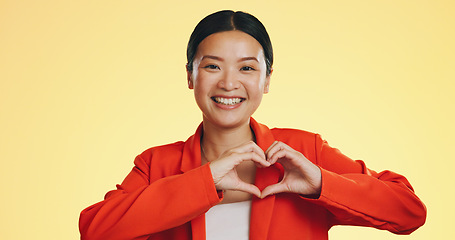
[300, 175]
[223, 169]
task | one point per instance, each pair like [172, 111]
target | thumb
[249, 188]
[273, 189]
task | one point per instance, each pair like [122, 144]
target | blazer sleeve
[356, 195]
[139, 208]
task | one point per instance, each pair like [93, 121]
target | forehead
[230, 44]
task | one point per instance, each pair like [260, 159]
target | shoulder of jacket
[176, 147]
[291, 133]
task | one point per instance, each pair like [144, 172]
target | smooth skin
[231, 65]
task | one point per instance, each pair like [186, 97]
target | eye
[247, 68]
[212, 66]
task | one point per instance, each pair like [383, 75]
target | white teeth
[227, 101]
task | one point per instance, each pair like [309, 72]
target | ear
[189, 77]
[267, 82]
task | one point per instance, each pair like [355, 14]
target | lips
[229, 101]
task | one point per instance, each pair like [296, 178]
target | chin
[228, 121]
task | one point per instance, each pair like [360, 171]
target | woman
[236, 178]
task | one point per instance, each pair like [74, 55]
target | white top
[228, 221]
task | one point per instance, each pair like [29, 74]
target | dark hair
[228, 20]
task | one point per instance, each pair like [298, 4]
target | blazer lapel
[262, 209]
[191, 158]
[198, 227]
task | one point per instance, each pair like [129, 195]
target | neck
[217, 140]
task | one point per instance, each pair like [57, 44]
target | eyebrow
[212, 57]
[248, 59]
[221, 59]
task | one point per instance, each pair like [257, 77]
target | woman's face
[229, 78]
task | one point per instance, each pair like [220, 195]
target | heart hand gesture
[300, 175]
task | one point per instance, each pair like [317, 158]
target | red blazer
[167, 193]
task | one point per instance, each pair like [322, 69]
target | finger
[249, 188]
[273, 189]
[253, 156]
[259, 151]
[249, 147]
[276, 147]
[281, 153]
[221, 167]
[270, 147]
[284, 152]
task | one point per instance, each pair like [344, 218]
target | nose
[229, 81]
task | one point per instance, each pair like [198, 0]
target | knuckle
[232, 152]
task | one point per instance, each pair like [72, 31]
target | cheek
[198, 90]
[202, 85]
[256, 84]
[199, 82]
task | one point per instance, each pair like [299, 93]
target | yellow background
[85, 86]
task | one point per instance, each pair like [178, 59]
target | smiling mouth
[227, 101]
